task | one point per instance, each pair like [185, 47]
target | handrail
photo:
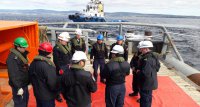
[120, 24]
[173, 45]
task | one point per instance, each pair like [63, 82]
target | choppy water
[184, 31]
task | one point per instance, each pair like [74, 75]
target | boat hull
[75, 18]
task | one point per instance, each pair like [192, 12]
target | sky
[174, 7]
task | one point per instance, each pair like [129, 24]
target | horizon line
[111, 12]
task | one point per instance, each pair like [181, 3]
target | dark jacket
[78, 46]
[78, 85]
[115, 71]
[99, 51]
[17, 71]
[62, 56]
[125, 55]
[148, 72]
[43, 78]
[134, 61]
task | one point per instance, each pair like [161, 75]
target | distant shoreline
[43, 11]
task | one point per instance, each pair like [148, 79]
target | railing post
[86, 41]
[65, 25]
[120, 29]
[173, 45]
[130, 47]
[165, 44]
[53, 37]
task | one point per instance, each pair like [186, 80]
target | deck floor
[174, 91]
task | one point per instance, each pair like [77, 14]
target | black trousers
[114, 95]
[96, 64]
[145, 98]
[20, 101]
[48, 103]
[135, 84]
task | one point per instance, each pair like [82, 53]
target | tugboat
[94, 12]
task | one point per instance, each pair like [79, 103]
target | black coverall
[44, 81]
[115, 72]
[18, 78]
[78, 45]
[62, 57]
[134, 64]
[100, 53]
[148, 77]
[78, 85]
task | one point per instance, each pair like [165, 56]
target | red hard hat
[46, 46]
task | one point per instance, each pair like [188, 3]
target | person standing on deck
[78, 43]
[43, 77]
[134, 66]
[17, 64]
[148, 67]
[62, 55]
[78, 84]
[114, 74]
[120, 41]
[100, 53]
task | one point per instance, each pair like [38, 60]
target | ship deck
[174, 90]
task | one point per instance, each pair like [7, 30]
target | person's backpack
[157, 61]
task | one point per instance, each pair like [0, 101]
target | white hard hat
[78, 56]
[145, 44]
[64, 36]
[78, 31]
[118, 49]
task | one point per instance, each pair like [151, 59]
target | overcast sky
[176, 7]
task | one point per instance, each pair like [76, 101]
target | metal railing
[166, 37]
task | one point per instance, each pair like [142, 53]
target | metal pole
[173, 45]
[53, 37]
[120, 29]
[180, 66]
[165, 44]
[86, 41]
[69, 29]
[130, 47]
[65, 25]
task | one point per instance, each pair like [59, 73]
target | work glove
[137, 71]
[93, 78]
[91, 61]
[107, 60]
[20, 92]
[61, 72]
[103, 81]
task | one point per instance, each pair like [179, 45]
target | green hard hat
[20, 41]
